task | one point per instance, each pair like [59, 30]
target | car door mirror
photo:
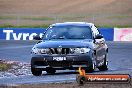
[37, 37]
[98, 36]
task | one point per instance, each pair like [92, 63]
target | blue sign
[28, 33]
[108, 33]
[20, 33]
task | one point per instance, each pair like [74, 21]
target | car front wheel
[92, 67]
[36, 72]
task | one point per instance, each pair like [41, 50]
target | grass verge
[5, 66]
[23, 26]
[42, 18]
[46, 25]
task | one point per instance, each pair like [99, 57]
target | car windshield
[68, 32]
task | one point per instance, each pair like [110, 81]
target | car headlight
[79, 50]
[40, 51]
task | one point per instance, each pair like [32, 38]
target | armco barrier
[28, 33]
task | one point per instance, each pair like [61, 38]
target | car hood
[65, 43]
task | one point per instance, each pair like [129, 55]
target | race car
[69, 45]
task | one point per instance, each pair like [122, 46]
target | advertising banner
[20, 33]
[108, 33]
[28, 33]
[122, 34]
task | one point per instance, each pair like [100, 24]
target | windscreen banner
[122, 34]
[28, 33]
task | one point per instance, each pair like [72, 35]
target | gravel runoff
[21, 69]
[17, 69]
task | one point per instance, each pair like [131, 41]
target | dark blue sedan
[67, 46]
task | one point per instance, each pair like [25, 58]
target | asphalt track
[120, 61]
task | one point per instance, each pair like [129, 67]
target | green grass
[42, 18]
[4, 66]
[23, 26]
[120, 17]
[73, 18]
[38, 18]
[7, 17]
[46, 25]
[46, 20]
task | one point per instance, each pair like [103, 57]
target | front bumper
[72, 61]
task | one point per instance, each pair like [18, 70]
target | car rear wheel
[36, 72]
[104, 67]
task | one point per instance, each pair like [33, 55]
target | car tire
[90, 68]
[36, 72]
[104, 67]
[51, 71]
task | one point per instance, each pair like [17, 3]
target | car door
[99, 45]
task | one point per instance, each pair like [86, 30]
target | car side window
[95, 31]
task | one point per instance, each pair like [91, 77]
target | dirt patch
[71, 85]
[64, 6]
[100, 12]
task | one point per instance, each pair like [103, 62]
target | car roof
[73, 24]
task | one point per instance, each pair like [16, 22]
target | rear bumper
[72, 61]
